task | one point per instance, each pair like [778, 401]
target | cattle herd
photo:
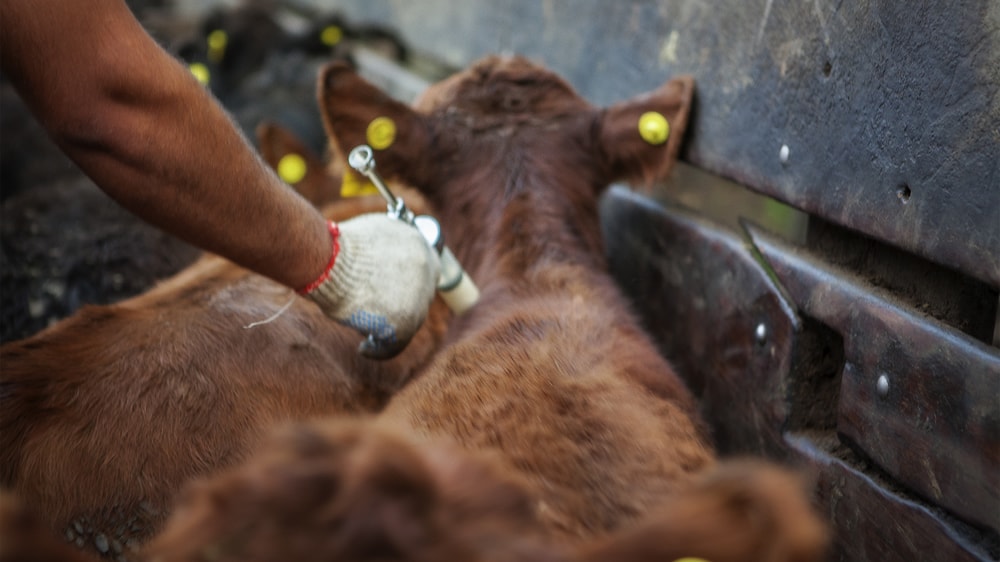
[542, 424]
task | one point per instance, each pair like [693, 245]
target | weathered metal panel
[694, 279]
[782, 366]
[919, 398]
[890, 110]
[872, 523]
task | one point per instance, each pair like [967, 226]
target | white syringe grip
[457, 290]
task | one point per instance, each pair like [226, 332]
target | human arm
[135, 120]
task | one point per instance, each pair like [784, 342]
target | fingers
[382, 283]
[381, 340]
[374, 348]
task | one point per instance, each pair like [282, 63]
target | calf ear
[295, 163]
[640, 138]
[355, 112]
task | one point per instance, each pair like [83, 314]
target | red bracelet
[335, 238]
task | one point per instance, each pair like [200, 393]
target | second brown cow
[106, 414]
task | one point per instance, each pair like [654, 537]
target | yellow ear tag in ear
[331, 35]
[381, 133]
[654, 129]
[353, 186]
[292, 168]
[200, 72]
[217, 41]
[690, 559]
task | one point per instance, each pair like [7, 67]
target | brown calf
[105, 415]
[550, 370]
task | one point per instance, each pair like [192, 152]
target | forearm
[146, 132]
[179, 163]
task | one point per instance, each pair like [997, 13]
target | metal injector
[457, 290]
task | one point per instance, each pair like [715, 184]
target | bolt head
[760, 333]
[882, 385]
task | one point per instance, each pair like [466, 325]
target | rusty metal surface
[889, 110]
[790, 393]
[917, 397]
[872, 523]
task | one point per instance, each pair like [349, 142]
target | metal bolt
[783, 154]
[903, 193]
[761, 333]
[882, 385]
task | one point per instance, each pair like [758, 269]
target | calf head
[508, 150]
[349, 490]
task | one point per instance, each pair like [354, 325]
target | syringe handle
[455, 286]
[457, 290]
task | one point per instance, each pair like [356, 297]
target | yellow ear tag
[292, 168]
[331, 35]
[654, 129]
[353, 186]
[200, 72]
[381, 133]
[217, 41]
[690, 559]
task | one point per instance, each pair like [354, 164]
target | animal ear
[388, 497]
[295, 163]
[356, 112]
[740, 510]
[640, 138]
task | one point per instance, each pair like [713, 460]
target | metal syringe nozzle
[454, 285]
[362, 159]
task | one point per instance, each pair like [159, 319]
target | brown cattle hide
[105, 415]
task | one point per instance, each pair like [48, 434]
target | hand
[382, 282]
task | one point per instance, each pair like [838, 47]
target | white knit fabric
[382, 282]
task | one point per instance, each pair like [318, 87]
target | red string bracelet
[335, 240]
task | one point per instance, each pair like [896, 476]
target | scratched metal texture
[785, 361]
[890, 110]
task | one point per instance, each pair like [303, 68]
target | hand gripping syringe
[454, 285]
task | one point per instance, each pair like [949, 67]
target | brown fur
[105, 415]
[357, 491]
[547, 428]
[348, 491]
[550, 370]
[25, 538]
[743, 511]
